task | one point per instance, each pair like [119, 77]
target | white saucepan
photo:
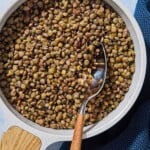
[49, 136]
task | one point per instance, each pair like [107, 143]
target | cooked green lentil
[47, 50]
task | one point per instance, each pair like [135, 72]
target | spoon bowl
[98, 78]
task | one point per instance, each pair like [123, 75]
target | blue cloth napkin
[132, 132]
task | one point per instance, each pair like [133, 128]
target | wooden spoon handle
[78, 131]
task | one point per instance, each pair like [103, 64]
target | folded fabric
[132, 133]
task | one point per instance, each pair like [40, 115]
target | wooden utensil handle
[78, 131]
[16, 138]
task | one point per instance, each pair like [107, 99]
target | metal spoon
[97, 84]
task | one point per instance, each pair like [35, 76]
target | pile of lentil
[47, 50]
